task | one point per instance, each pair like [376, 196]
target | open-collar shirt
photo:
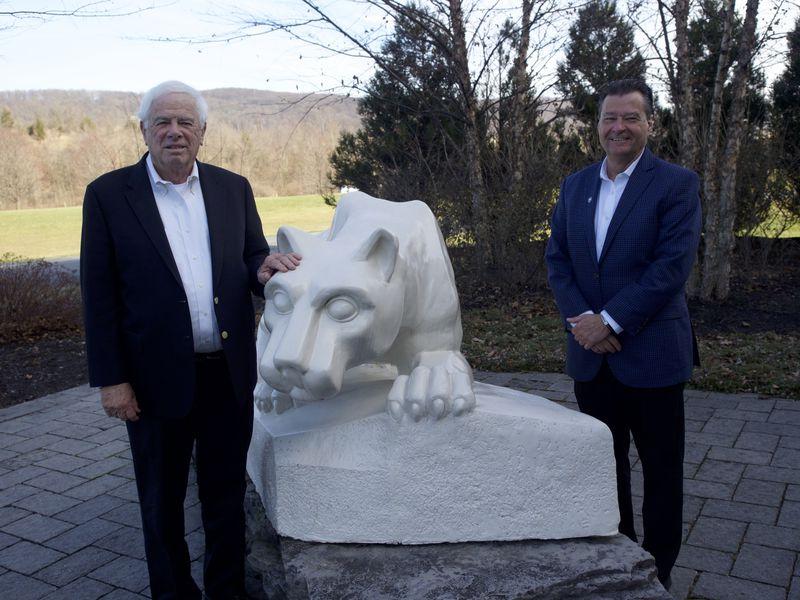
[183, 214]
[607, 201]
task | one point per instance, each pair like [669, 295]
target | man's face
[173, 135]
[623, 127]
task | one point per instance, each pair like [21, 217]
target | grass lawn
[793, 231]
[309, 213]
[520, 338]
[770, 227]
[50, 232]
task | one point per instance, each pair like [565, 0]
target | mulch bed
[762, 299]
[35, 368]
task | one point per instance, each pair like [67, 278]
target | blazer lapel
[139, 195]
[640, 178]
[214, 199]
[591, 189]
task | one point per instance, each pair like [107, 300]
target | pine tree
[409, 125]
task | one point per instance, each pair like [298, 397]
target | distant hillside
[238, 107]
[53, 142]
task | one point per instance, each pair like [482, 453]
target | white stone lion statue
[368, 426]
[375, 293]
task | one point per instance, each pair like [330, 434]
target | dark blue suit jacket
[640, 275]
[138, 327]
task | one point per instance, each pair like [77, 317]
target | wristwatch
[606, 323]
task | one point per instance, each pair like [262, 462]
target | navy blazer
[639, 277]
[138, 327]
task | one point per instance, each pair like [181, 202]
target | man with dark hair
[171, 249]
[621, 87]
[623, 240]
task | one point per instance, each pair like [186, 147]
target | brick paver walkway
[69, 520]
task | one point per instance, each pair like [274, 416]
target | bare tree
[18, 179]
[711, 121]
[98, 9]
[721, 210]
[680, 76]
[521, 83]
[711, 145]
[474, 39]
[95, 9]
[278, 150]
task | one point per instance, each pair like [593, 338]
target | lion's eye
[282, 302]
[341, 309]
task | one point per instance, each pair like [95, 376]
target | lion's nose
[296, 345]
[290, 363]
[293, 354]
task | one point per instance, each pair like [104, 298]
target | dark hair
[620, 87]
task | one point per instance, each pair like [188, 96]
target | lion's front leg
[263, 391]
[440, 383]
[265, 397]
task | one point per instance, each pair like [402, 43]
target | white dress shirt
[183, 214]
[607, 200]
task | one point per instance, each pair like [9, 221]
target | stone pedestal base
[518, 467]
[597, 568]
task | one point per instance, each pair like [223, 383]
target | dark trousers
[219, 429]
[655, 418]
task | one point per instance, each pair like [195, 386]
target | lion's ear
[291, 239]
[381, 250]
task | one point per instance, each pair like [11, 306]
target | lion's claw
[444, 387]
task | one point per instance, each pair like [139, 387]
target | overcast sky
[123, 52]
[126, 52]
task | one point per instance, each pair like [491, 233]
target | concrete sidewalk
[69, 519]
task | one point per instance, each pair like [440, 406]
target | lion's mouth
[303, 389]
[293, 376]
[308, 386]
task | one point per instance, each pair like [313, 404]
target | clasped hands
[277, 262]
[591, 333]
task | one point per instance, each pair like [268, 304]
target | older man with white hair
[171, 250]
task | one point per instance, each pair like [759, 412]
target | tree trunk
[475, 184]
[684, 98]
[716, 282]
[519, 93]
[712, 253]
[504, 204]
[685, 108]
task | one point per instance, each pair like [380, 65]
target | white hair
[172, 87]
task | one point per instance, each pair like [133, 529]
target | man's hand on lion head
[277, 263]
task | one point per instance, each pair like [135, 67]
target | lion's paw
[268, 400]
[435, 392]
[262, 396]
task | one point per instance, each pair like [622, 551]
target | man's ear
[381, 250]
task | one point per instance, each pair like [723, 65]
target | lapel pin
[589, 200]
